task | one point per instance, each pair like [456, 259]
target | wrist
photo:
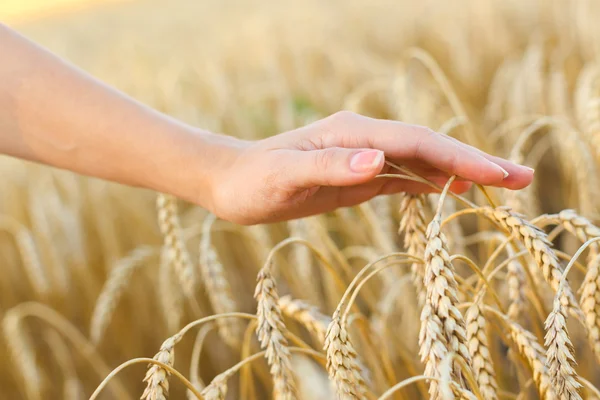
[194, 166]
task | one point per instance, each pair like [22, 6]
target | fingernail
[529, 169]
[366, 160]
[504, 172]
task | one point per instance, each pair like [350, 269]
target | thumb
[336, 166]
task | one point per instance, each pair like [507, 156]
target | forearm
[56, 114]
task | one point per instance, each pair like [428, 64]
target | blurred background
[517, 78]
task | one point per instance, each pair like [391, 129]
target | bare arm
[53, 113]
[56, 114]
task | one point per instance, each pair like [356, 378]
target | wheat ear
[590, 303]
[537, 244]
[270, 331]
[433, 347]
[477, 340]
[168, 221]
[171, 298]
[113, 290]
[535, 355]
[515, 281]
[308, 315]
[342, 363]
[412, 224]
[560, 360]
[157, 378]
[579, 226]
[218, 289]
[449, 390]
[302, 258]
[217, 388]
[440, 314]
[586, 104]
[32, 265]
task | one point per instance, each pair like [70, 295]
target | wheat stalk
[72, 387]
[22, 354]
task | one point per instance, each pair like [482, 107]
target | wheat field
[112, 292]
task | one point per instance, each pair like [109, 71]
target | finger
[519, 176]
[422, 144]
[333, 166]
[419, 168]
[330, 198]
[410, 142]
[457, 187]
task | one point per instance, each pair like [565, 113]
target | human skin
[53, 113]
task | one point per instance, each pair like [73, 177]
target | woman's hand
[333, 163]
[328, 164]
